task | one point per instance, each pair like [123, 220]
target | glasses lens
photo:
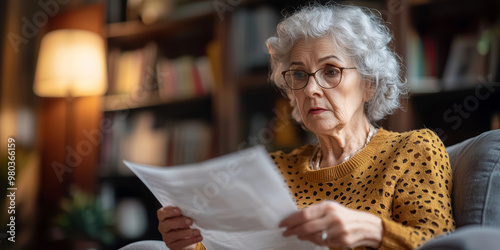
[296, 79]
[329, 77]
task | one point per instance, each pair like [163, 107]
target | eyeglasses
[330, 77]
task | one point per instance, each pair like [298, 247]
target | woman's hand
[343, 227]
[175, 229]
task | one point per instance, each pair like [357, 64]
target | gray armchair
[476, 180]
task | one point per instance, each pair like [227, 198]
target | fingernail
[196, 233]
[177, 211]
[188, 221]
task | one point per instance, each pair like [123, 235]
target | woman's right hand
[175, 229]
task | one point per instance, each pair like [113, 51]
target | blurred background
[88, 83]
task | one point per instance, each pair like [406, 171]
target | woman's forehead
[317, 49]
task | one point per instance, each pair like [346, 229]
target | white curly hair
[360, 34]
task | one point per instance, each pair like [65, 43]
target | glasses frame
[314, 75]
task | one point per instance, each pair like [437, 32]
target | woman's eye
[299, 74]
[331, 71]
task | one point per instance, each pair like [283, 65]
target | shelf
[136, 31]
[127, 102]
[463, 9]
[457, 92]
[253, 80]
[116, 178]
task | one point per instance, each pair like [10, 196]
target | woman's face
[328, 110]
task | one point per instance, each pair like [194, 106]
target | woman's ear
[369, 87]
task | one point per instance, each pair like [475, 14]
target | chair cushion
[466, 238]
[476, 180]
[146, 245]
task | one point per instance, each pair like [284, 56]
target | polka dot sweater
[404, 178]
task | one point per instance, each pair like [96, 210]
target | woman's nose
[312, 88]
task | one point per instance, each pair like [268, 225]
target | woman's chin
[321, 127]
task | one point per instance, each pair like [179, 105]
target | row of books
[132, 70]
[139, 139]
[422, 63]
[142, 70]
[185, 76]
[472, 58]
[250, 29]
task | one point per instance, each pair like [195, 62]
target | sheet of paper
[236, 200]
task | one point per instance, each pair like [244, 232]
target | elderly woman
[362, 186]
[359, 186]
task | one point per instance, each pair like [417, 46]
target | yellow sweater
[404, 178]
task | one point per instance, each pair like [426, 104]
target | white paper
[236, 200]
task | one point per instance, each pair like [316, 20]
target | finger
[177, 235]
[334, 221]
[180, 222]
[302, 216]
[307, 214]
[337, 233]
[167, 212]
[315, 238]
[309, 227]
[184, 243]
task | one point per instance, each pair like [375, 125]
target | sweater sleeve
[200, 246]
[422, 195]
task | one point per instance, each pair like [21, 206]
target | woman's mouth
[316, 110]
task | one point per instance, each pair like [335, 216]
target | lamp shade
[71, 62]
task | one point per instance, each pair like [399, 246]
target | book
[249, 30]
[422, 63]
[214, 52]
[144, 138]
[132, 70]
[128, 72]
[189, 141]
[184, 77]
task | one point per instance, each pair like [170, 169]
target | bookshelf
[241, 108]
[451, 54]
[124, 102]
[159, 105]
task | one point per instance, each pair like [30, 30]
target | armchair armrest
[476, 180]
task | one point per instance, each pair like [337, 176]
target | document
[237, 201]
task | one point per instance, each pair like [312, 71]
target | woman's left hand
[343, 227]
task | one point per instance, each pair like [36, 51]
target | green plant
[83, 217]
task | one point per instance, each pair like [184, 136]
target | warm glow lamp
[71, 63]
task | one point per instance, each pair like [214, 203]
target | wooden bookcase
[454, 110]
[188, 36]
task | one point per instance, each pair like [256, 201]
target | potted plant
[84, 221]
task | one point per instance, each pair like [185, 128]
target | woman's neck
[338, 145]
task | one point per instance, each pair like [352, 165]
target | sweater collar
[335, 172]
